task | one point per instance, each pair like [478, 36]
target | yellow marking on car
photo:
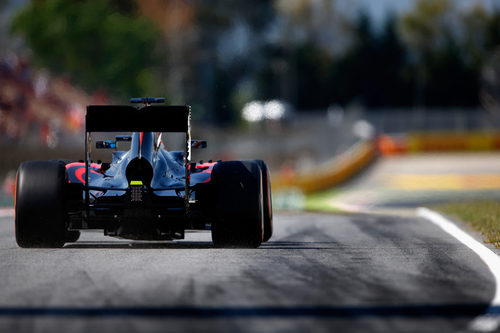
[135, 182]
[445, 181]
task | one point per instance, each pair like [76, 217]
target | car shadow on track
[288, 245]
[139, 245]
[277, 245]
[434, 311]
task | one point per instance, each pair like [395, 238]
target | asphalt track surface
[319, 273]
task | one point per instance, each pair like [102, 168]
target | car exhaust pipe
[139, 169]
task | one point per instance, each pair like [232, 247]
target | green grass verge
[320, 202]
[482, 216]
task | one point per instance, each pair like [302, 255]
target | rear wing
[125, 118]
[150, 118]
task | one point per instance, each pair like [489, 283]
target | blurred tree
[312, 67]
[476, 37]
[424, 30]
[98, 43]
[490, 70]
[490, 90]
[372, 70]
[125, 7]
[318, 22]
[175, 18]
[481, 50]
[447, 47]
[231, 38]
[314, 71]
[426, 26]
[3, 27]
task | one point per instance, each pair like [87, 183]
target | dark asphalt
[321, 273]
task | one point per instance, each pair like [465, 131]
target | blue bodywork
[168, 170]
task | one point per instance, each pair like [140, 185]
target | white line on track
[486, 322]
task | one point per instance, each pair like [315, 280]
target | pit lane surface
[351, 273]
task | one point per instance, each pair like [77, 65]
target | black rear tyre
[40, 213]
[72, 236]
[238, 220]
[267, 200]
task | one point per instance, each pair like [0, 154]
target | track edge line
[489, 321]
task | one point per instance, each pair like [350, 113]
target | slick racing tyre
[238, 220]
[267, 200]
[40, 214]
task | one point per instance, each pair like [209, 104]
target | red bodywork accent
[79, 171]
[81, 164]
[205, 165]
[206, 168]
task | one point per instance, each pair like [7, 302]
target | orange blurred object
[391, 145]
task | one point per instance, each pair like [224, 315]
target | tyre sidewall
[267, 200]
[40, 219]
[238, 220]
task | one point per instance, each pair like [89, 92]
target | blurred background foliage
[100, 44]
[219, 55]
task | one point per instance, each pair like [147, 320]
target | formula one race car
[146, 192]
